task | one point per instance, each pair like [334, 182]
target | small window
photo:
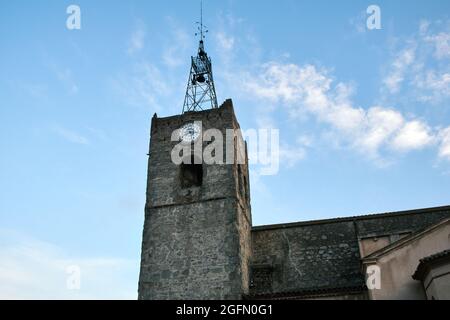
[191, 174]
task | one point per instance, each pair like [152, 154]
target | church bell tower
[197, 230]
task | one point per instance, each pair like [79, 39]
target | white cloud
[370, 131]
[444, 147]
[435, 86]
[413, 135]
[225, 42]
[143, 87]
[235, 44]
[71, 136]
[32, 269]
[379, 125]
[421, 66]
[359, 22]
[290, 155]
[380, 131]
[305, 140]
[423, 26]
[441, 42]
[137, 39]
[399, 67]
[289, 82]
[176, 49]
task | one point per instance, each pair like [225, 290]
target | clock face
[190, 132]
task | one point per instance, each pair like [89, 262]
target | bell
[201, 78]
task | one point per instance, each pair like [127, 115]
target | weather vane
[200, 27]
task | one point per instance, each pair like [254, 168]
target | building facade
[197, 232]
[199, 242]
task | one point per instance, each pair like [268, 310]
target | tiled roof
[417, 234]
[436, 256]
[424, 264]
[351, 218]
[309, 256]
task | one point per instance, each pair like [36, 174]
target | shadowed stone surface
[324, 254]
[196, 240]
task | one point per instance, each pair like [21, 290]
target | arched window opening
[191, 174]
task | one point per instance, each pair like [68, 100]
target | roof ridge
[436, 255]
[424, 263]
[350, 218]
[403, 241]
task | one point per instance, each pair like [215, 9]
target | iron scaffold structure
[200, 91]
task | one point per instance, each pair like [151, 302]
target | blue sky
[363, 115]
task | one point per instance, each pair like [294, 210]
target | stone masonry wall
[305, 257]
[321, 254]
[196, 241]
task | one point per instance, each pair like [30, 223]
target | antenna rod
[201, 20]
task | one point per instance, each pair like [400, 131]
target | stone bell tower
[197, 230]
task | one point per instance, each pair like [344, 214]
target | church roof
[403, 241]
[312, 255]
[424, 265]
[351, 218]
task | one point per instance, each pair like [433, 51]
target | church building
[199, 241]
